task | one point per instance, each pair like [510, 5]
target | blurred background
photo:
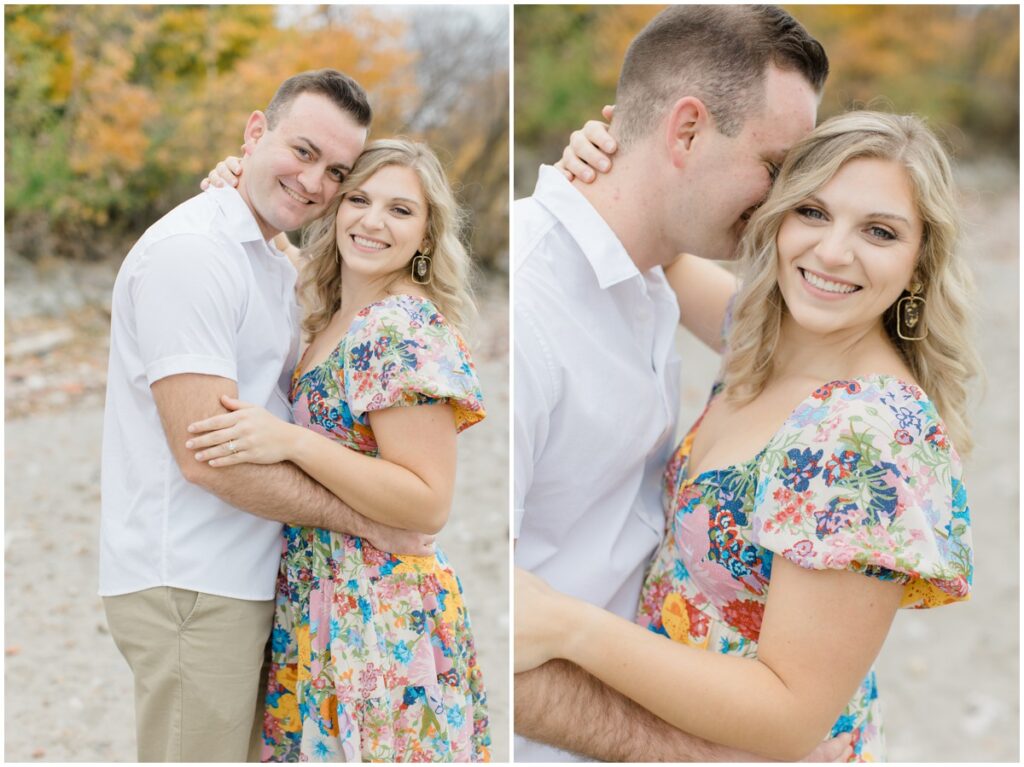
[957, 65]
[949, 678]
[113, 114]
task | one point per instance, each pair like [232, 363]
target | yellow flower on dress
[676, 620]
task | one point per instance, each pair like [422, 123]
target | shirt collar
[601, 247]
[239, 220]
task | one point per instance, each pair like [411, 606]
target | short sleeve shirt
[596, 389]
[200, 292]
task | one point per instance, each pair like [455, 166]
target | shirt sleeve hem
[190, 363]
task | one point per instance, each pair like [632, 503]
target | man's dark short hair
[716, 53]
[342, 90]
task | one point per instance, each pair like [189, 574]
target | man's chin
[291, 222]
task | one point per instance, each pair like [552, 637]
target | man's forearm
[283, 492]
[562, 705]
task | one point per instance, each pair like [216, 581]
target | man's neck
[268, 232]
[630, 204]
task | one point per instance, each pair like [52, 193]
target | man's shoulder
[532, 225]
[543, 244]
[197, 216]
[195, 228]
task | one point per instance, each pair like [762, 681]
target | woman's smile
[829, 288]
[847, 251]
[392, 206]
[368, 243]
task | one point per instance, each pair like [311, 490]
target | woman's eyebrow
[877, 214]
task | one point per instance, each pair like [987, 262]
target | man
[204, 307]
[709, 100]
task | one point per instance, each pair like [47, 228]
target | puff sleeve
[863, 477]
[402, 352]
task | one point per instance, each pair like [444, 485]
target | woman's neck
[845, 353]
[357, 292]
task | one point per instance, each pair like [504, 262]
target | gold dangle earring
[908, 314]
[421, 272]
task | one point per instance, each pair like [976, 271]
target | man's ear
[255, 130]
[687, 118]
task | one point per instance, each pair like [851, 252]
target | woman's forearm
[738, 702]
[376, 488]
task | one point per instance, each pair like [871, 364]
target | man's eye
[336, 174]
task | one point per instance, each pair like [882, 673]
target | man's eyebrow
[318, 152]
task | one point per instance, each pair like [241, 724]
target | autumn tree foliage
[958, 66]
[114, 113]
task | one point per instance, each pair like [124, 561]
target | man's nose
[312, 180]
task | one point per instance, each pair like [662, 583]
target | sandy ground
[949, 677]
[68, 692]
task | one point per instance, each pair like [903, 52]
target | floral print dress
[861, 477]
[372, 653]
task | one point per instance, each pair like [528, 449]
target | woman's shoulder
[864, 476]
[883, 395]
[877, 417]
[402, 351]
[401, 315]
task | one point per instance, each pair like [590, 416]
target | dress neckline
[348, 331]
[830, 386]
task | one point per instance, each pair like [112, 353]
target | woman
[789, 547]
[372, 655]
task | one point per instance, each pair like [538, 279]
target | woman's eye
[812, 213]
[882, 233]
[403, 211]
[356, 199]
[303, 153]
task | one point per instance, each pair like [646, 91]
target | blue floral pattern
[372, 653]
[860, 477]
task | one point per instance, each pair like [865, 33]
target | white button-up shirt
[596, 382]
[200, 292]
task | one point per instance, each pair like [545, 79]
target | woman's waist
[707, 597]
[309, 546]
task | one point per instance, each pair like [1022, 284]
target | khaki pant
[198, 662]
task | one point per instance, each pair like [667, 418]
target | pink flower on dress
[885, 559]
[801, 553]
[368, 678]
[839, 556]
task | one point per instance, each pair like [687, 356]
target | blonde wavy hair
[944, 362]
[449, 288]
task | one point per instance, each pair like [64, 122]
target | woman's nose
[834, 247]
[373, 218]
